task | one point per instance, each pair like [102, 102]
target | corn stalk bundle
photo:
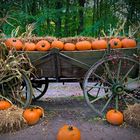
[11, 65]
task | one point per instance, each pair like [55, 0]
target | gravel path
[63, 90]
[71, 110]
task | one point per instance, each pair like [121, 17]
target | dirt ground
[71, 109]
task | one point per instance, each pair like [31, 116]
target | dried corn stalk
[11, 66]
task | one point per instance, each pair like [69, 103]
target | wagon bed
[69, 64]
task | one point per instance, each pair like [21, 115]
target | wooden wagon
[109, 78]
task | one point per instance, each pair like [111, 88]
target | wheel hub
[118, 89]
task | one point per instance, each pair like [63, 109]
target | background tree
[68, 17]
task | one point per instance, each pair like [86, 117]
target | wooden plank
[70, 64]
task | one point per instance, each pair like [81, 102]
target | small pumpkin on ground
[29, 46]
[83, 45]
[99, 44]
[31, 116]
[57, 44]
[43, 45]
[115, 43]
[69, 47]
[4, 104]
[69, 132]
[128, 43]
[114, 117]
[14, 43]
[40, 111]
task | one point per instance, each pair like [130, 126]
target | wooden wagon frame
[109, 77]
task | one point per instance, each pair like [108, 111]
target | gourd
[69, 47]
[29, 46]
[4, 104]
[43, 45]
[115, 43]
[69, 132]
[57, 44]
[13, 43]
[114, 117]
[128, 43]
[83, 45]
[31, 116]
[99, 44]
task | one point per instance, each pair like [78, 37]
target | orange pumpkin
[68, 132]
[115, 43]
[99, 44]
[31, 116]
[128, 43]
[4, 104]
[40, 111]
[114, 117]
[83, 45]
[29, 46]
[57, 44]
[14, 43]
[43, 45]
[69, 47]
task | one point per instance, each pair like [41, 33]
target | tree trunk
[67, 18]
[58, 20]
[81, 15]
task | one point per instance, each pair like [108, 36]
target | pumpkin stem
[70, 128]
[43, 45]
[115, 43]
[14, 40]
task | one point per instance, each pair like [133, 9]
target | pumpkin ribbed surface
[69, 47]
[31, 116]
[68, 132]
[43, 45]
[57, 44]
[14, 43]
[128, 43]
[40, 111]
[83, 45]
[4, 104]
[114, 117]
[29, 46]
[99, 44]
[115, 43]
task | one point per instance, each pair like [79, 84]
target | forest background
[63, 18]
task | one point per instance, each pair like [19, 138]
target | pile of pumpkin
[16, 118]
[69, 44]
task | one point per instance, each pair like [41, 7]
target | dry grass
[11, 119]
[132, 115]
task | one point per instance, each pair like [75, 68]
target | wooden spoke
[98, 98]
[119, 68]
[107, 103]
[127, 73]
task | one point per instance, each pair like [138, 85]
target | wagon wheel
[40, 87]
[112, 83]
[88, 93]
[21, 97]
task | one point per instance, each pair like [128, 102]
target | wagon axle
[117, 89]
